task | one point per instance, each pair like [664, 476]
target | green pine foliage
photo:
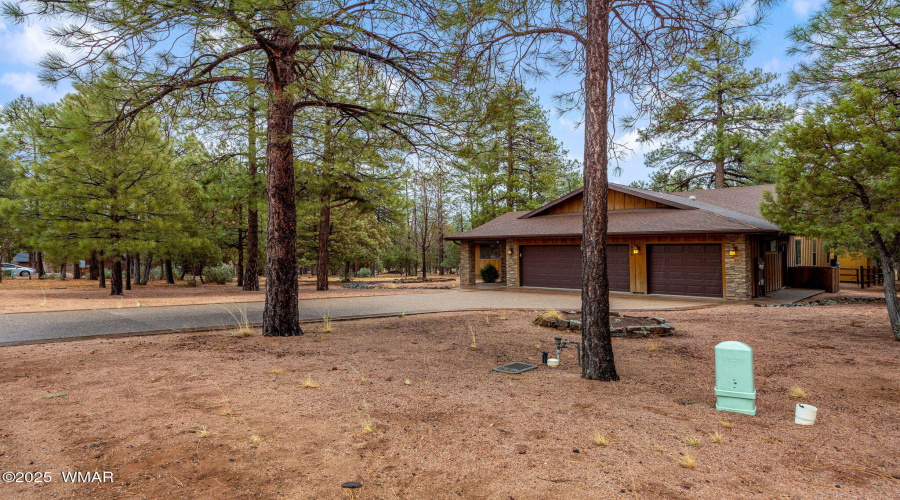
[711, 131]
[838, 171]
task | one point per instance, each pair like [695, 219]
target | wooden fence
[863, 276]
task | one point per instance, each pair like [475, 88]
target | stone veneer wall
[466, 263]
[738, 268]
[503, 258]
[512, 262]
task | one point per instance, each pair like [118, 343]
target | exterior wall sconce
[732, 253]
[635, 249]
[509, 251]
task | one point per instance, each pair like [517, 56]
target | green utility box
[734, 378]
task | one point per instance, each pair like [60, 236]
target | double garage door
[693, 270]
[559, 266]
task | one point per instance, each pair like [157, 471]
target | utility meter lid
[732, 345]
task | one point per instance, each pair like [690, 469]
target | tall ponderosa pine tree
[114, 192]
[850, 40]
[716, 116]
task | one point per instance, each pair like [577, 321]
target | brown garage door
[694, 270]
[559, 266]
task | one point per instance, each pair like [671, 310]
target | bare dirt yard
[23, 295]
[410, 408]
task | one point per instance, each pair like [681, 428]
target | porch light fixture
[635, 249]
[732, 252]
[509, 251]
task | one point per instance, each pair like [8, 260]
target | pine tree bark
[94, 267]
[170, 276]
[62, 272]
[281, 315]
[102, 270]
[251, 273]
[128, 262]
[76, 270]
[40, 265]
[240, 258]
[145, 276]
[322, 253]
[597, 361]
[115, 282]
[888, 268]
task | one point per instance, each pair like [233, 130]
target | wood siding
[617, 201]
[811, 252]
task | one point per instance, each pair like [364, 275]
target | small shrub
[364, 273]
[107, 273]
[220, 275]
[156, 273]
[9, 275]
[489, 273]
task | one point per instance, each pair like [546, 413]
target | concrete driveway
[40, 327]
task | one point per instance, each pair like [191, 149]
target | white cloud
[25, 44]
[569, 124]
[629, 141]
[27, 83]
[772, 66]
[804, 8]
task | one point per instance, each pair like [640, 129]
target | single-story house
[705, 243]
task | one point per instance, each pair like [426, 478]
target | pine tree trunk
[94, 268]
[102, 270]
[115, 282]
[888, 267]
[76, 270]
[128, 262]
[240, 259]
[322, 254]
[40, 265]
[597, 355]
[281, 315]
[251, 274]
[62, 272]
[170, 276]
[145, 277]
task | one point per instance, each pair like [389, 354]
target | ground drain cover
[514, 368]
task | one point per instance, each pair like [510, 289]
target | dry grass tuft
[724, 422]
[716, 437]
[797, 392]
[326, 324]
[203, 432]
[242, 324]
[407, 381]
[652, 345]
[687, 460]
[474, 344]
[547, 316]
[692, 440]
[309, 383]
[368, 427]
[600, 438]
[255, 439]
[658, 448]
[275, 371]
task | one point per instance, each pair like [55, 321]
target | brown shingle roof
[693, 216]
[743, 199]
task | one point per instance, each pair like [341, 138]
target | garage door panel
[685, 270]
[559, 266]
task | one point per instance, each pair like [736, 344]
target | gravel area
[411, 409]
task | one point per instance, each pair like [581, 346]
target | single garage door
[559, 266]
[694, 270]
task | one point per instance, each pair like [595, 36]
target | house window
[797, 252]
[814, 256]
[488, 252]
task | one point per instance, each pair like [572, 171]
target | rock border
[662, 328]
[826, 302]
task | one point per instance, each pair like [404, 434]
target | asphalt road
[48, 326]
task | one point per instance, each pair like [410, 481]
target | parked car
[24, 272]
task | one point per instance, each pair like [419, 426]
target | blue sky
[22, 46]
